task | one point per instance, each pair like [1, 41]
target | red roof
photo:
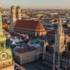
[29, 25]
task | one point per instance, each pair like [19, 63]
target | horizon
[37, 4]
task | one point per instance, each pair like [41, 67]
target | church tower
[13, 14]
[60, 38]
[12, 18]
[59, 44]
[6, 60]
[18, 13]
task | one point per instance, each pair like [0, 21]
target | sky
[37, 3]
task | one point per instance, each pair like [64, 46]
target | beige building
[6, 59]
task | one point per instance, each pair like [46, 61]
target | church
[30, 27]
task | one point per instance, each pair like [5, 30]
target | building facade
[57, 57]
[6, 60]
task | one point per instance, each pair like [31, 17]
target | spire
[13, 18]
[59, 38]
[13, 13]
[59, 42]
[18, 12]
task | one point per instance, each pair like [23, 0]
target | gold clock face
[3, 56]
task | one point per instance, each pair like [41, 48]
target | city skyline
[58, 4]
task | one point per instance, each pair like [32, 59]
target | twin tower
[16, 13]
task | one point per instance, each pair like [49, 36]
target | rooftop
[24, 49]
[31, 25]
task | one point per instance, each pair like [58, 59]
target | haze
[61, 4]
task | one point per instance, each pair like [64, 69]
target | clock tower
[6, 60]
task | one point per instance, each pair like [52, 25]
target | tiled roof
[29, 25]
